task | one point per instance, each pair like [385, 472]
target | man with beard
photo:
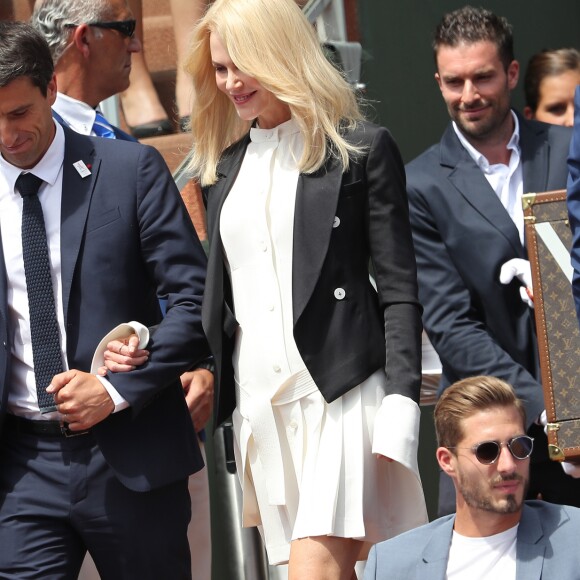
[484, 449]
[467, 219]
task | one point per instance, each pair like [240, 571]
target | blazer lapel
[469, 180]
[433, 564]
[5, 326]
[76, 197]
[535, 156]
[316, 202]
[213, 302]
[530, 547]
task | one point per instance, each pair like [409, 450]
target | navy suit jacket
[463, 235]
[574, 199]
[126, 239]
[546, 547]
[342, 342]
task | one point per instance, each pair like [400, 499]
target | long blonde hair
[273, 42]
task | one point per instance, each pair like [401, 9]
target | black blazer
[342, 341]
[126, 239]
[463, 235]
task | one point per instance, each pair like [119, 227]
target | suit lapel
[535, 156]
[531, 546]
[4, 323]
[471, 183]
[213, 302]
[433, 564]
[316, 202]
[76, 197]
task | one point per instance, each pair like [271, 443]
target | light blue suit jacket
[574, 199]
[547, 547]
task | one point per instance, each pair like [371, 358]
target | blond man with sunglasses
[495, 533]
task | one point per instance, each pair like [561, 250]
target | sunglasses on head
[487, 452]
[125, 27]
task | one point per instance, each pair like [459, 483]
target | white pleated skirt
[332, 483]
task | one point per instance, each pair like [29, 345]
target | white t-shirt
[492, 557]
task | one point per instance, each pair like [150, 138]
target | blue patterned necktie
[102, 127]
[44, 331]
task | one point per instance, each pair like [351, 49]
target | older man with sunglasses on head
[91, 43]
[495, 533]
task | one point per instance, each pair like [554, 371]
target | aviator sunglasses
[487, 452]
[125, 27]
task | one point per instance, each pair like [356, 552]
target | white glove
[571, 469]
[520, 269]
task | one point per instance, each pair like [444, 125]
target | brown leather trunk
[549, 240]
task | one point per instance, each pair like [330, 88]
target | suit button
[339, 293]
[276, 368]
[336, 222]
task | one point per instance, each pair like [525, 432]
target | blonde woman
[320, 370]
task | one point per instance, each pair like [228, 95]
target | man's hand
[520, 269]
[198, 389]
[81, 399]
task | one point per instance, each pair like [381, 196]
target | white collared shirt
[79, 116]
[22, 399]
[506, 180]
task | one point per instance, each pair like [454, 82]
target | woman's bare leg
[323, 558]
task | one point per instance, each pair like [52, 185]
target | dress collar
[275, 134]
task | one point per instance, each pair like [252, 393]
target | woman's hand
[123, 355]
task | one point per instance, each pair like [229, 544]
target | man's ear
[438, 79]
[528, 113]
[81, 39]
[446, 460]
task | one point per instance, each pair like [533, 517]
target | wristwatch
[207, 364]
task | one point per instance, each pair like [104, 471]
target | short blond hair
[465, 398]
[273, 42]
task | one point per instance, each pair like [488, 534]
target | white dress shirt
[79, 116]
[506, 180]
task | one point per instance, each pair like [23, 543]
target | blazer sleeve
[574, 200]
[176, 265]
[457, 331]
[393, 261]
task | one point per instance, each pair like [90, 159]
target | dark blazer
[546, 547]
[574, 199]
[126, 239]
[462, 236]
[342, 341]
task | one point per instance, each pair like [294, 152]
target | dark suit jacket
[462, 236]
[574, 199]
[342, 342]
[126, 238]
[546, 547]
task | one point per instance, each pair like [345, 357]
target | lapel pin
[82, 169]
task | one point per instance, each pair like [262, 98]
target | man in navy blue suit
[467, 220]
[92, 63]
[574, 199]
[105, 465]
